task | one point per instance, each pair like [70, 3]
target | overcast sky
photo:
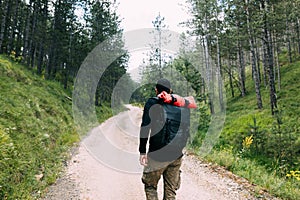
[139, 14]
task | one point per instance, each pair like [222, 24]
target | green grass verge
[262, 178]
[36, 131]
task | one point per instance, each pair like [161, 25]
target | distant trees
[50, 37]
[156, 58]
[237, 33]
[248, 39]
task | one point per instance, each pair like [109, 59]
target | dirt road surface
[98, 171]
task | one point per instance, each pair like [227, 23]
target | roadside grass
[37, 131]
[261, 178]
[103, 112]
[266, 173]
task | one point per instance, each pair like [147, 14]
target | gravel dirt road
[94, 173]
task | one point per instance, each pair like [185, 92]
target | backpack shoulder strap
[158, 100]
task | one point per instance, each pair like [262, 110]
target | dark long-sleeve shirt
[153, 121]
[150, 126]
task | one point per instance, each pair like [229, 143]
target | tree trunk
[204, 91]
[276, 59]
[219, 77]
[15, 10]
[269, 58]
[298, 33]
[278, 71]
[27, 33]
[258, 62]
[20, 28]
[265, 63]
[42, 36]
[253, 58]
[40, 59]
[97, 97]
[242, 73]
[66, 72]
[230, 80]
[50, 62]
[3, 24]
[32, 41]
[288, 41]
[255, 76]
[208, 74]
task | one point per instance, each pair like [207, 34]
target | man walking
[168, 128]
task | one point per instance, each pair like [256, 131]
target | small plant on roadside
[294, 174]
[260, 137]
[247, 142]
[14, 57]
[246, 145]
[282, 145]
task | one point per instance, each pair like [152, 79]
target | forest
[249, 55]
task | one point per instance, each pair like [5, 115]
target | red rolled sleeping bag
[177, 100]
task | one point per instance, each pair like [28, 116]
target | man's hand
[144, 160]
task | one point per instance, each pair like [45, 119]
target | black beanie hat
[163, 85]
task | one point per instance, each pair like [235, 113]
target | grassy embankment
[271, 159]
[36, 131]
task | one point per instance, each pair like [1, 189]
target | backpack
[176, 128]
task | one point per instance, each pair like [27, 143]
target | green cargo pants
[171, 178]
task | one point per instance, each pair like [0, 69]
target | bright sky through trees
[138, 14]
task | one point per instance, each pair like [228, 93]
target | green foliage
[257, 174]
[104, 112]
[36, 130]
[261, 147]
[203, 125]
[53, 38]
[141, 94]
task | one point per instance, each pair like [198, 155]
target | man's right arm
[144, 159]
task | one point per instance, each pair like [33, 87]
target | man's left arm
[144, 133]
